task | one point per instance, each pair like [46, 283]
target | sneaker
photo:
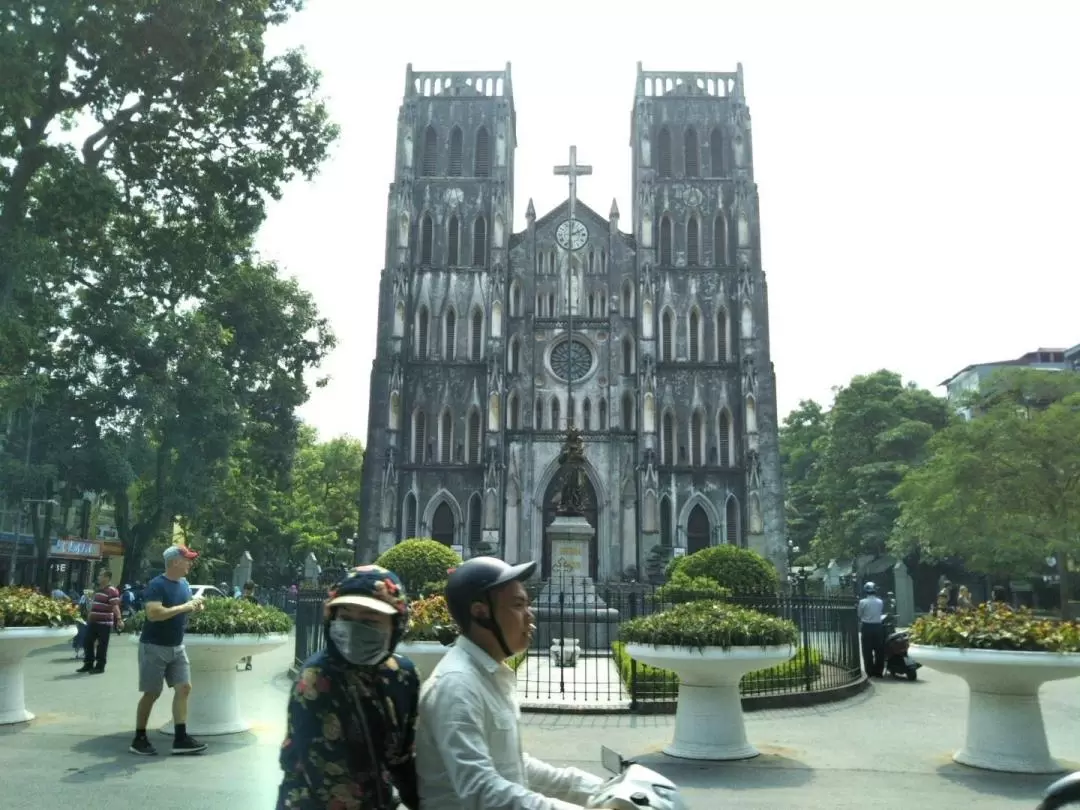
[188, 745]
[247, 667]
[143, 747]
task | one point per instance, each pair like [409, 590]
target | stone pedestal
[568, 610]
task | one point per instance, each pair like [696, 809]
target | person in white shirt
[871, 612]
[468, 744]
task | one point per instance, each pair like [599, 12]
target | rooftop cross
[573, 170]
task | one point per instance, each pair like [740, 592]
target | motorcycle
[635, 786]
[897, 645]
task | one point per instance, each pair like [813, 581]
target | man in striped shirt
[103, 617]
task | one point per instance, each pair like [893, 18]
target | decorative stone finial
[530, 211]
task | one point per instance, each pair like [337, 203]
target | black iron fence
[577, 662]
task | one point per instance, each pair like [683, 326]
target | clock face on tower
[572, 234]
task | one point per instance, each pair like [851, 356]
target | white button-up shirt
[468, 747]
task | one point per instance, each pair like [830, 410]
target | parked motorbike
[635, 786]
[898, 661]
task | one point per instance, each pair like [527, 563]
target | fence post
[633, 662]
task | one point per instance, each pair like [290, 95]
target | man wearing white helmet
[872, 631]
[468, 744]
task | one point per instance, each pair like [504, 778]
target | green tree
[1001, 491]
[878, 429]
[802, 436]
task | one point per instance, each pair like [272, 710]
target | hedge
[652, 683]
[421, 564]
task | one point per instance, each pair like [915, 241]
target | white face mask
[360, 643]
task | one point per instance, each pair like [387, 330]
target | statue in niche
[571, 500]
[648, 372]
[493, 466]
[650, 464]
[753, 468]
[494, 374]
[749, 375]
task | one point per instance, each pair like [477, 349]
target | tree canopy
[1001, 491]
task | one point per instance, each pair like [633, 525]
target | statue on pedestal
[571, 500]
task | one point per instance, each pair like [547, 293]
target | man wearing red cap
[162, 657]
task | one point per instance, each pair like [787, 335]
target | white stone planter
[425, 654]
[1005, 730]
[708, 718]
[214, 709]
[15, 644]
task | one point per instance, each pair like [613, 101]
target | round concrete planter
[214, 709]
[708, 719]
[15, 644]
[1005, 730]
[424, 654]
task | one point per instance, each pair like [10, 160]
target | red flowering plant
[996, 626]
[25, 607]
[431, 621]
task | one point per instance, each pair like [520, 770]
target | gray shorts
[159, 665]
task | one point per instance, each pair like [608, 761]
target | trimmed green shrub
[421, 563]
[744, 571]
[681, 588]
[228, 617]
[996, 626]
[709, 624]
[25, 607]
[653, 683]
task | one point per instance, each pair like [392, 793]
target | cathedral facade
[651, 336]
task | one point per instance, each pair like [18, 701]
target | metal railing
[576, 662]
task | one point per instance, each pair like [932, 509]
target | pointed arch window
[479, 242]
[627, 356]
[731, 522]
[667, 439]
[476, 517]
[410, 517]
[571, 411]
[427, 239]
[697, 439]
[555, 416]
[627, 299]
[513, 413]
[721, 335]
[514, 360]
[431, 155]
[455, 152]
[421, 347]
[450, 335]
[483, 153]
[586, 415]
[538, 420]
[515, 300]
[667, 337]
[690, 153]
[693, 243]
[453, 242]
[717, 162]
[419, 431]
[663, 153]
[476, 336]
[665, 521]
[603, 414]
[446, 437]
[694, 336]
[474, 437]
[666, 254]
[628, 411]
[720, 241]
[725, 439]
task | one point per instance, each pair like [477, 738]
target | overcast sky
[918, 171]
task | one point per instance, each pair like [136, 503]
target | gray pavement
[887, 748]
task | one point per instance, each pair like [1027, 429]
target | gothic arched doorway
[442, 524]
[698, 530]
[549, 515]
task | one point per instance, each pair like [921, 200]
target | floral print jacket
[327, 758]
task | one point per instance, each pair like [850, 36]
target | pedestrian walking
[162, 657]
[102, 618]
[248, 595]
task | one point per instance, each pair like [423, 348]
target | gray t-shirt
[871, 610]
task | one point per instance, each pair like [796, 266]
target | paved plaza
[886, 748]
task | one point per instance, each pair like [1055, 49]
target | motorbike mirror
[1063, 792]
[612, 760]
